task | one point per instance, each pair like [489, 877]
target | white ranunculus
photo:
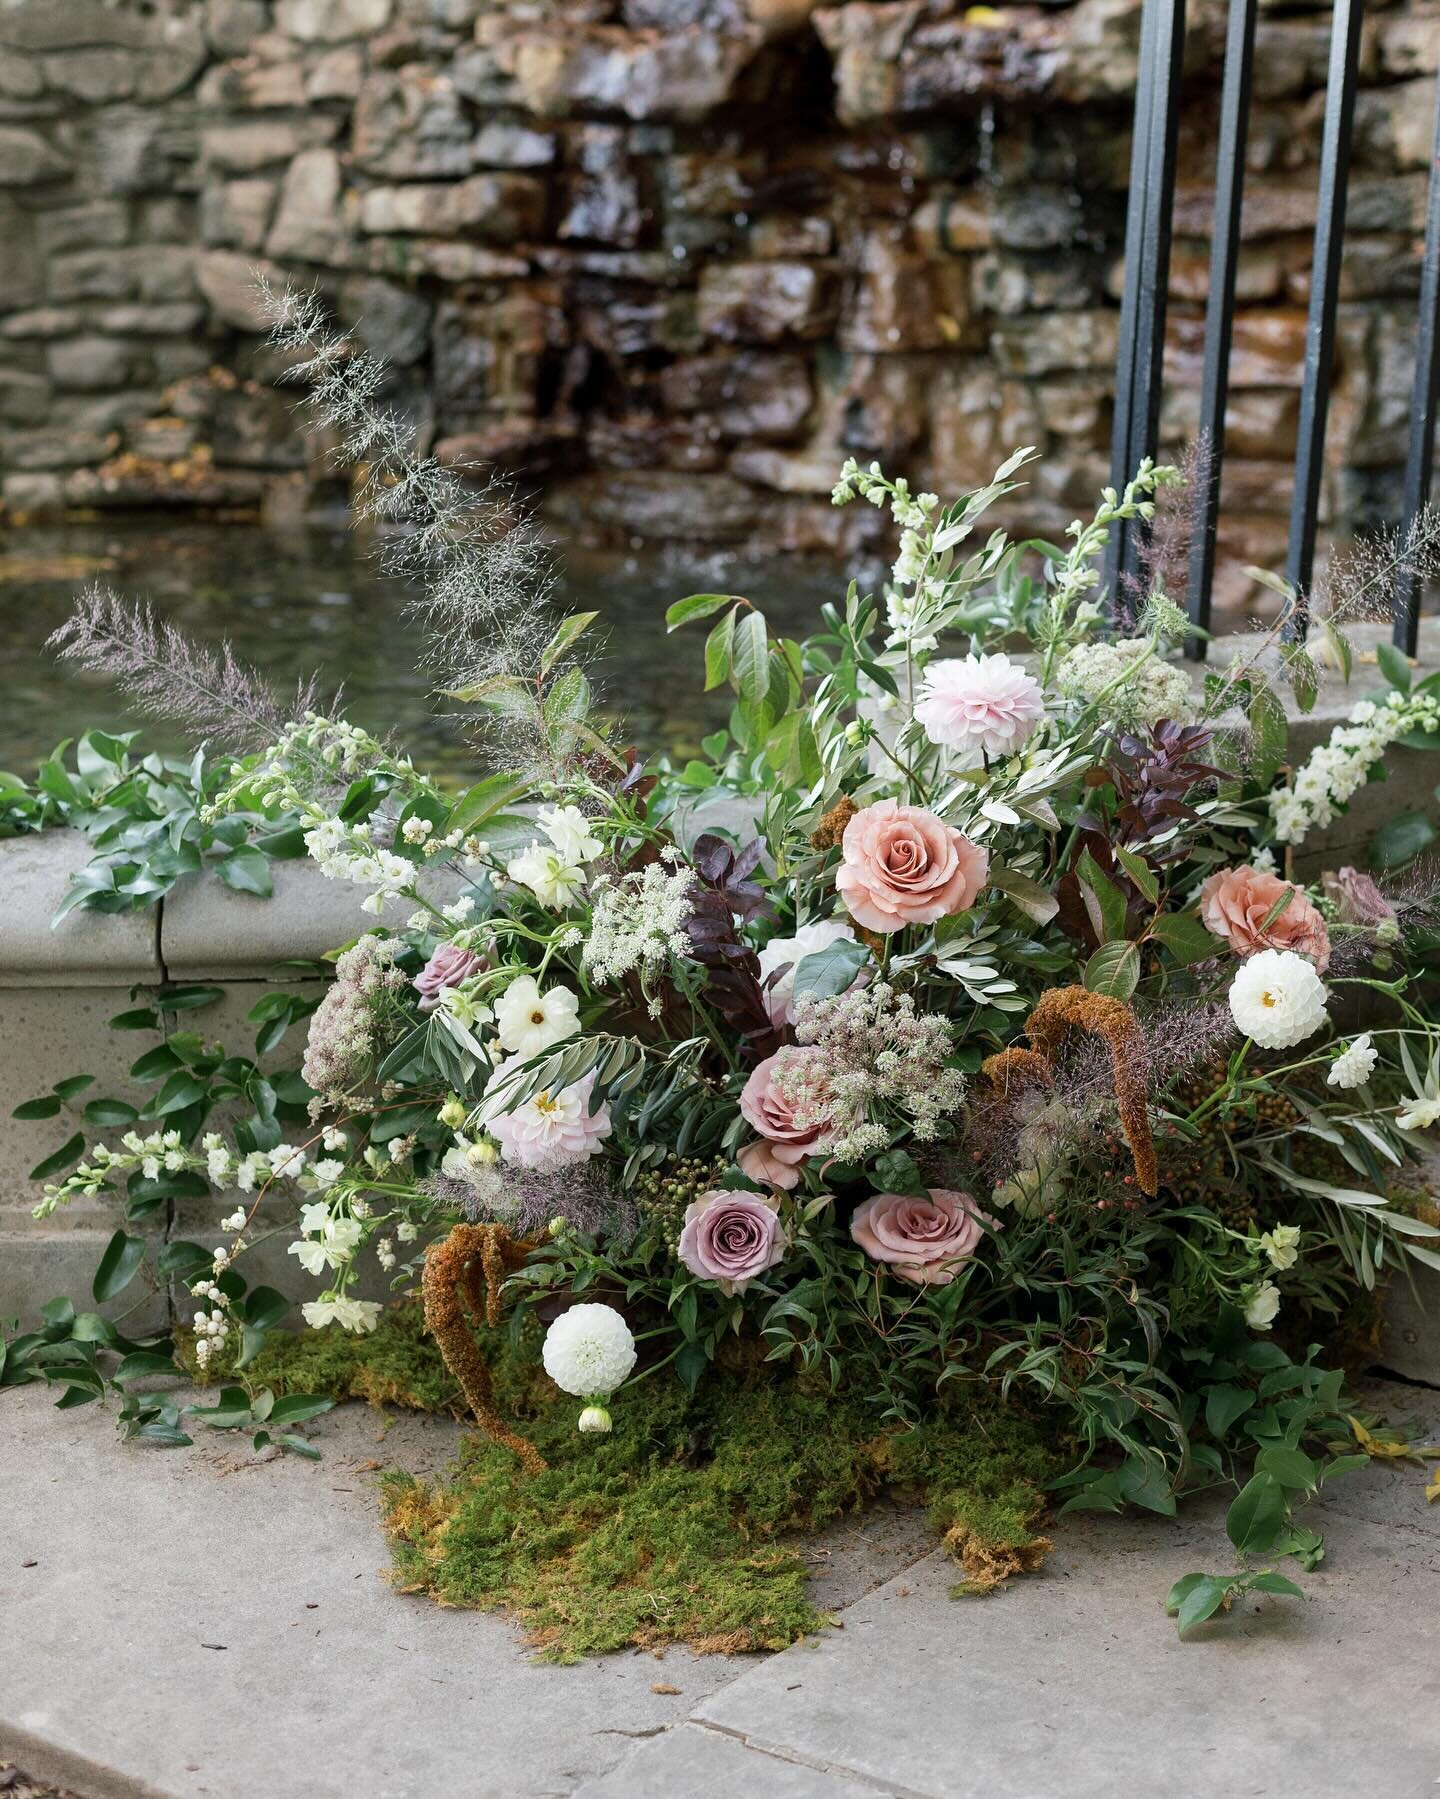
[588, 1351]
[529, 1020]
[1277, 998]
[1263, 1306]
[1282, 1246]
[1355, 1064]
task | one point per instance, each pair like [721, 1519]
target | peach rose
[902, 865]
[921, 1239]
[784, 1141]
[1235, 903]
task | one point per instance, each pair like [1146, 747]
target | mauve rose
[785, 1142]
[730, 1237]
[902, 865]
[1356, 898]
[923, 1240]
[1235, 903]
[448, 966]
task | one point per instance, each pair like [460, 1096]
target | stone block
[94, 76]
[681, 74]
[309, 220]
[232, 25]
[23, 396]
[504, 144]
[337, 74]
[53, 449]
[102, 224]
[409, 124]
[748, 394]
[227, 280]
[766, 302]
[1044, 346]
[242, 149]
[237, 212]
[28, 160]
[93, 364]
[387, 318]
[331, 21]
[896, 299]
[501, 208]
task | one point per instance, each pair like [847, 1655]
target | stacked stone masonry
[673, 259]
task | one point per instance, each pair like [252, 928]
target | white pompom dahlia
[979, 703]
[1277, 998]
[588, 1351]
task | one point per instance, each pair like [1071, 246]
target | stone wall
[675, 258]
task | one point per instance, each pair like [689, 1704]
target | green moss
[680, 1525]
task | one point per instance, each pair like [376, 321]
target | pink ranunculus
[1356, 898]
[902, 866]
[786, 1141]
[923, 1240]
[448, 966]
[730, 1237]
[1235, 902]
[983, 704]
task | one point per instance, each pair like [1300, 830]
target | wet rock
[309, 223]
[227, 280]
[331, 21]
[93, 363]
[453, 15]
[26, 159]
[488, 355]
[388, 319]
[629, 323]
[787, 471]
[1410, 43]
[1259, 273]
[764, 302]
[409, 124]
[1268, 349]
[94, 275]
[237, 212]
[975, 422]
[408, 258]
[21, 77]
[92, 75]
[682, 75]
[528, 446]
[49, 448]
[663, 505]
[1078, 407]
[895, 299]
[952, 223]
[176, 319]
[231, 25]
[498, 207]
[1043, 346]
[1008, 284]
[43, 322]
[23, 395]
[753, 393]
[336, 75]
[781, 239]
[604, 196]
[1259, 422]
[254, 85]
[502, 144]
[1395, 126]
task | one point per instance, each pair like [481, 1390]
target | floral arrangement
[955, 1027]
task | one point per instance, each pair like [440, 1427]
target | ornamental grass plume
[1066, 1009]
[475, 1258]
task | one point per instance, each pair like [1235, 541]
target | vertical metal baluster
[1147, 263]
[1324, 299]
[1424, 403]
[1220, 307]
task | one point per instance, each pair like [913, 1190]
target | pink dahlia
[981, 703]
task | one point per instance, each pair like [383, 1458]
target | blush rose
[1235, 903]
[730, 1237]
[448, 966]
[785, 1142]
[922, 1240]
[901, 866]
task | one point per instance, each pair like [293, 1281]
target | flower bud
[559, 1226]
[452, 1113]
[595, 1418]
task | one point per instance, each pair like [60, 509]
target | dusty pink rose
[902, 865]
[981, 704]
[786, 1141]
[1356, 898]
[923, 1240]
[730, 1237]
[1235, 903]
[448, 966]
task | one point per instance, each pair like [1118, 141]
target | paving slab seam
[842, 1770]
[46, 1761]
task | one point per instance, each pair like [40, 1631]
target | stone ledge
[86, 947]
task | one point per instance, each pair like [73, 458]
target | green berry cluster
[663, 1193]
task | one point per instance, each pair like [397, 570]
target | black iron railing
[1142, 314]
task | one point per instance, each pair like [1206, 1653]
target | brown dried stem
[475, 1257]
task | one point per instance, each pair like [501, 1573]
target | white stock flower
[1282, 1246]
[1355, 1064]
[569, 830]
[350, 1314]
[553, 880]
[588, 1351]
[529, 1020]
[1277, 998]
[1263, 1306]
[1419, 1115]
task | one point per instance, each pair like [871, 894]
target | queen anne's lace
[638, 921]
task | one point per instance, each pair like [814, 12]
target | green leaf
[1140, 872]
[1291, 1467]
[67, 1153]
[143, 1018]
[105, 1113]
[1401, 839]
[826, 972]
[896, 1172]
[295, 1408]
[155, 1064]
[1223, 1405]
[570, 630]
[246, 871]
[1109, 900]
[45, 1107]
[751, 658]
[1036, 902]
[143, 1364]
[1185, 937]
[1114, 969]
[188, 999]
[1257, 1515]
[1269, 735]
[1201, 1601]
[1270, 1582]
[181, 1090]
[301, 1447]
[691, 1361]
[1394, 665]
[719, 651]
[75, 1083]
[122, 1258]
[695, 605]
[484, 800]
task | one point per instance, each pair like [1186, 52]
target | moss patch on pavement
[680, 1525]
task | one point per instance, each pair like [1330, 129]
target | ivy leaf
[1257, 1515]
[122, 1258]
[1223, 1405]
[246, 871]
[1203, 1596]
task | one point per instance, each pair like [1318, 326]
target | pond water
[299, 601]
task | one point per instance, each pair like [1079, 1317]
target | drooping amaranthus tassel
[1077, 1009]
[476, 1257]
[1016, 1067]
